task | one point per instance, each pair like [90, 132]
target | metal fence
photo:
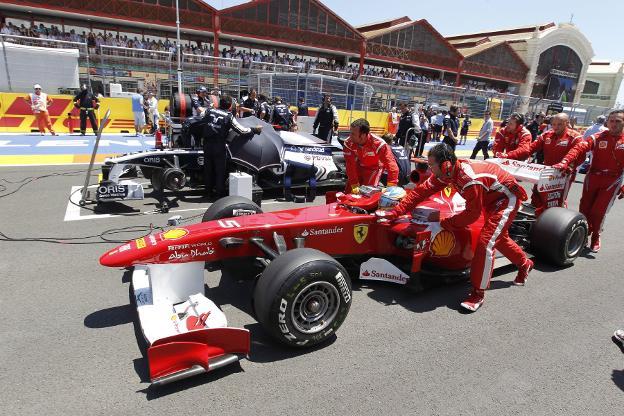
[346, 94]
[156, 70]
[388, 92]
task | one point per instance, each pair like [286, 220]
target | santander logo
[365, 273]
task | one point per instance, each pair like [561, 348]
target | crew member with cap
[487, 189]
[556, 145]
[366, 158]
[326, 119]
[514, 139]
[603, 182]
[219, 122]
[87, 103]
[199, 102]
[39, 102]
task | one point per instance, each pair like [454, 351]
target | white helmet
[37, 87]
[391, 197]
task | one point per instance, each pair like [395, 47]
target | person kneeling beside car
[486, 188]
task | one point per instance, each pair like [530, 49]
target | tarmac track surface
[68, 335]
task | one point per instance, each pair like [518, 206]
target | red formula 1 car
[301, 259]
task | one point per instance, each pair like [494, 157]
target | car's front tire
[228, 207]
[302, 297]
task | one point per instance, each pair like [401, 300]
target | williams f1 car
[303, 261]
[281, 160]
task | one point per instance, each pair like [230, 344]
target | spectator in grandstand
[251, 105]
[39, 102]
[451, 127]
[87, 103]
[199, 102]
[463, 134]
[484, 137]
[138, 111]
[154, 114]
[216, 131]
[302, 108]
[326, 119]
[597, 127]
[282, 116]
[409, 125]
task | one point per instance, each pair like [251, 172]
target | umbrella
[256, 152]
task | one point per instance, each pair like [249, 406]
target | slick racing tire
[173, 179]
[228, 207]
[559, 235]
[302, 297]
[156, 179]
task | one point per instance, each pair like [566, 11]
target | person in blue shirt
[138, 111]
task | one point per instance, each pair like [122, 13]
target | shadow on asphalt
[109, 317]
[449, 296]
[618, 378]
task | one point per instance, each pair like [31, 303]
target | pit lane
[69, 334]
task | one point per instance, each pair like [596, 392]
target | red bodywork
[332, 228]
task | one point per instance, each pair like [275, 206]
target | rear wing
[550, 183]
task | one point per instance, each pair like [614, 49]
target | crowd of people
[248, 56]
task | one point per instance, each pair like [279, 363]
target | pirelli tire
[302, 297]
[559, 235]
[232, 207]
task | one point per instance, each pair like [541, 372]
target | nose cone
[150, 249]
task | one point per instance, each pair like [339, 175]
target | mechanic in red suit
[556, 145]
[513, 139]
[367, 157]
[603, 181]
[486, 188]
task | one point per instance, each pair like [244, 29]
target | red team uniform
[366, 162]
[555, 149]
[603, 182]
[490, 190]
[513, 143]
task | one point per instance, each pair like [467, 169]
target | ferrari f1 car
[281, 160]
[303, 260]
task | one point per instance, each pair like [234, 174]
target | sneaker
[53, 133]
[595, 244]
[523, 273]
[474, 301]
[619, 336]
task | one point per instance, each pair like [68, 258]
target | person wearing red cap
[367, 157]
[487, 189]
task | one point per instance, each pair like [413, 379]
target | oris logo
[151, 160]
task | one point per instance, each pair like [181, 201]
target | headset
[445, 156]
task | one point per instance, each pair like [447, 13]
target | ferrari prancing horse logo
[360, 232]
[447, 191]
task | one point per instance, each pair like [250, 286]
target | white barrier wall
[29, 65]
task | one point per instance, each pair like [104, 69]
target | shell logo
[174, 234]
[443, 244]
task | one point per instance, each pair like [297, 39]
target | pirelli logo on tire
[344, 287]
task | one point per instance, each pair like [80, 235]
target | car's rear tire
[302, 297]
[559, 236]
[228, 207]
